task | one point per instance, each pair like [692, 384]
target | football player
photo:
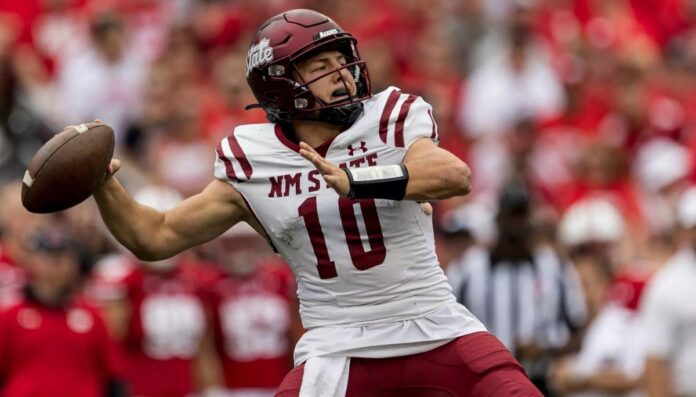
[334, 181]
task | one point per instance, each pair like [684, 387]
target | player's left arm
[434, 173]
[425, 173]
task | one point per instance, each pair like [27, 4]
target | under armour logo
[352, 150]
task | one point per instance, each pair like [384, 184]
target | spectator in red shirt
[51, 343]
[15, 222]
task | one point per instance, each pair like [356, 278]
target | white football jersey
[358, 263]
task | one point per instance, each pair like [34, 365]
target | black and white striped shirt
[537, 301]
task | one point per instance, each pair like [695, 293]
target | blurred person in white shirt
[610, 362]
[669, 315]
[516, 62]
[610, 359]
[104, 81]
[662, 167]
[513, 60]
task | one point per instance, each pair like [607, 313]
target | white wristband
[377, 173]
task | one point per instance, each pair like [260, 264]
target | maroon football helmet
[279, 44]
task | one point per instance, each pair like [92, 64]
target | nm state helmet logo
[362, 148]
[259, 54]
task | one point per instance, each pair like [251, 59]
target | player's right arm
[153, 235]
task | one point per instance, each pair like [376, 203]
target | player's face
[334, 87]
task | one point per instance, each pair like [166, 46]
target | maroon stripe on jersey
[399, 126]
[434, 136]
[240, 156]
[229, 170]
[388, 108]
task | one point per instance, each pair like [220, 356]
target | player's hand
[335, 177]
[114, 166]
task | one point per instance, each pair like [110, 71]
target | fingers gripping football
[114, 166]
[332, 174]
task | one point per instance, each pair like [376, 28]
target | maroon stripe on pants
[388, 108]
[399, 126]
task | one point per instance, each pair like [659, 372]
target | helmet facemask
[303, 104]
[343, 111]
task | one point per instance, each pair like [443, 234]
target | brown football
[68, 168]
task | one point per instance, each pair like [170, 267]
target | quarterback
[333, 182]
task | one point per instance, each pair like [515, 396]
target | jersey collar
[286, 140]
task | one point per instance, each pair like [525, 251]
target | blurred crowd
[577, 118]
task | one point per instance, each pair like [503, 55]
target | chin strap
[344, 115]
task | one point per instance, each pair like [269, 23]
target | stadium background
[589, 104]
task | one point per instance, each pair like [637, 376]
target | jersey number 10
[362, 260]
